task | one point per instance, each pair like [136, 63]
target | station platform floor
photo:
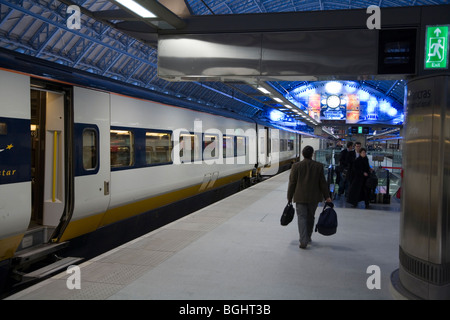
[236, 249]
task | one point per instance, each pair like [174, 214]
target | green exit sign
[436, 47]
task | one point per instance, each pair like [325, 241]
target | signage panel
[436, 47]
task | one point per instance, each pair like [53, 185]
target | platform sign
[436, 47]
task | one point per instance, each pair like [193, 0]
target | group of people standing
[354, 170]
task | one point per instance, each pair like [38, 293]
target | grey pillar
[424, 269]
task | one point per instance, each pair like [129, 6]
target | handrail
[55, 142]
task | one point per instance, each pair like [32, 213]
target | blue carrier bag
[327, 223]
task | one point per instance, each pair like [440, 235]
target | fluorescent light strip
[137, 8]
[263, 90]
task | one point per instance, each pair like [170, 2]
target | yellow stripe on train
[9, 245]
[89, 224]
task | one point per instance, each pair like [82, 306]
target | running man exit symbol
[436, 47]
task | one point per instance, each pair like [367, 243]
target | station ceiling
[114, 43]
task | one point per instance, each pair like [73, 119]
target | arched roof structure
[110, 44]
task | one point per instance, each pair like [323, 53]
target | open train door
[51, 158]
[36, 192]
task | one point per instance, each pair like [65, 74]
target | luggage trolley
[381, 193]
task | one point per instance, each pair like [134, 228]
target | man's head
[307, 152]
[349, 145]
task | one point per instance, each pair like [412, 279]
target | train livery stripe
[9, 245]
[91, 223]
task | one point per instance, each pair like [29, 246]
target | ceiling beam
[395, 17]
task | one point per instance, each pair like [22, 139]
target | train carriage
[95, 168]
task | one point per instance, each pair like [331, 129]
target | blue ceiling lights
[276, 115]
[346, 101]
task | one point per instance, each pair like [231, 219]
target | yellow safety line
[55, 141]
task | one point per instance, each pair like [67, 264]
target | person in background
[343, 168]
[351, 157]
[360, 172]
[307, 187]
[358, 149]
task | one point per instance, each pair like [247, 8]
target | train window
[240, 146]
[189, 147]
[283, 145]
[3, 128]
[290, 145]
[228, 146]
[210, 146]
[90, 154]
[122, 148]
[158, 147]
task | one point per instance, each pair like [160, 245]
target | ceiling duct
[305, 55]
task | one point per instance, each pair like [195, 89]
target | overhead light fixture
[137, 8]
[276, 115]
[278, 100]
[333, 87]
[263, 90]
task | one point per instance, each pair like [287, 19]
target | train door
[262, 146]
[50, 174]
[267, 147]
[92, 161]
[269, 151]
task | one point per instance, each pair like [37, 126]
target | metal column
[425, 223]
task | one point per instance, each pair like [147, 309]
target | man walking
[307, 187]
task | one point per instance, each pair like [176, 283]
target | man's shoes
[303, 246]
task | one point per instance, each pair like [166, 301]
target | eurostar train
[96, 168]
